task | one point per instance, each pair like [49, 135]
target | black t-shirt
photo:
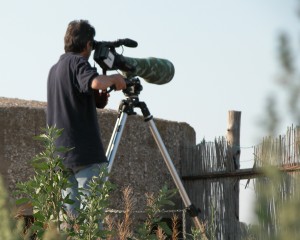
[71, 106]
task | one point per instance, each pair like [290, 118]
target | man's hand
[118, 81]
[101, 98]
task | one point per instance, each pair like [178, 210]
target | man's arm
[105, 81]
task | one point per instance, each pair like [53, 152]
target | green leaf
[41, 137]
[164, 226]
[63, 149]
[167, 202]
[69, 201]
[22, 201]
[40, 165]
[36, 227]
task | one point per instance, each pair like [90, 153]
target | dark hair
[78, 33]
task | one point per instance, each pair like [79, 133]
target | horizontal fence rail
[245, 173]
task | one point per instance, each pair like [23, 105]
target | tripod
[126, 108]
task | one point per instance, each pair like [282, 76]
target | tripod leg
[191, 208]
[115, 140]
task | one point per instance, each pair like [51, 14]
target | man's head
[79, 35]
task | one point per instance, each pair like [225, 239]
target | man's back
[71, 106]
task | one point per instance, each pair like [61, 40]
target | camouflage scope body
[152, 70]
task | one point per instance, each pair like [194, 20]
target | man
[72, 95]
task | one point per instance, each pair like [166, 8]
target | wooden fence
[217, 197]
[211, 178]
[203, 168]
[279, 189]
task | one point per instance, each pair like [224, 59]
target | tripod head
[132, 101]
[133, 87]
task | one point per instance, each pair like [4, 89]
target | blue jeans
[80, 179]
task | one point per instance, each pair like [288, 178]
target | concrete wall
[138, 163]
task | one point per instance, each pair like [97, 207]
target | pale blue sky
[224, 53]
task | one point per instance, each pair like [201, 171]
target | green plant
[153, 211]
[43, 190]
[10, 228]
[211, 227]
[93, 209]
[153, 227]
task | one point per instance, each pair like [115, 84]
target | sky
[224, 53]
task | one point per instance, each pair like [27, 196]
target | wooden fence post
[233, 163]
[233, 139]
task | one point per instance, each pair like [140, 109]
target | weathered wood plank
[246, 173]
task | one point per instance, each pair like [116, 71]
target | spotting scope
[152, 70]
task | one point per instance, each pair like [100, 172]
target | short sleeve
[85, 73]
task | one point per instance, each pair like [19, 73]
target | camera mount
[126, 108]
